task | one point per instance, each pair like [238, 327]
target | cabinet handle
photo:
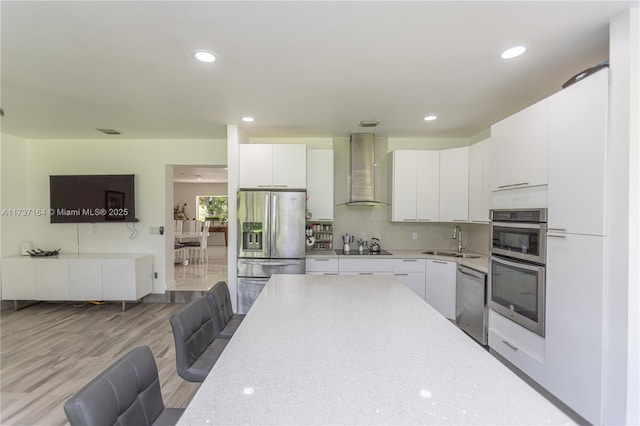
[330, 273]
[556, 230]
[365, 273]
[402, 275]
[409, 260]
[556, 236]
[424, 220]
[408, 220]
[280, 186]
[440, 261]
[460, 220]
[320, 260]
[513, 185]
[264, 186]
[511, 345]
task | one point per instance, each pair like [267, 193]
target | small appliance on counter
[374, 246]
[347, 240]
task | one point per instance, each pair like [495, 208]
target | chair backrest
[192, 227]
[193, 332]
[177, 227]
[127, 393]
[204, 235]
[220, 302]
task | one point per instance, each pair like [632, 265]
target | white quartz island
[358, 350]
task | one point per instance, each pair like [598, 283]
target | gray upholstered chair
[197, 349]
[126, 393]
[220, 302]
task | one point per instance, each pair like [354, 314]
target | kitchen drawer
[529, 364]
[365, 265]
[409, 265]
[518, 335]
[321, 265]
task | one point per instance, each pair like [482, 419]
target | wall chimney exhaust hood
[362, 171]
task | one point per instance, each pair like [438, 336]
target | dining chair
[198, 249]
[197, 349]
[126, 393]
[219, 299]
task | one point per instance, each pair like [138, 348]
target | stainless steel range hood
[362, 171]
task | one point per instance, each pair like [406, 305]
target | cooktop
[364, 253]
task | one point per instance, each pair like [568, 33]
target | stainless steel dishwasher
[471, 303]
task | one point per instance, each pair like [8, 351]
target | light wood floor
[50, 350]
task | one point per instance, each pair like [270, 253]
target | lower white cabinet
[365, 266]
[321, 266]
[521, 347]
[411, 272]
[574, 322]
[84, 277]
[440, 291]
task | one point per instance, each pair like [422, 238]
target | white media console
[121, 277]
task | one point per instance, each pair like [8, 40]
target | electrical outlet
[155, 275]
[414, 236]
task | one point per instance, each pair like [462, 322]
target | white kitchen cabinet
[321, 266]
[577, 156]
[85, 279]
[273, 166]
[519, 148]
[320, 200]
[454, 185]
[365, 266]
[415, 185]
[411, 272]
[440, 291]
[51, 279]
[126, 279]
[479, 185]
[521, 347]
[574, 322]
[72, 277]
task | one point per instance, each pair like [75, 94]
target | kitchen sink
[452, 254]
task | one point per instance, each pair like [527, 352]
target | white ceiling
[302, 69]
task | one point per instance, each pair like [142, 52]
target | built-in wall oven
[517, 270]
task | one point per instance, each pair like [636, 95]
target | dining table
[336, 350]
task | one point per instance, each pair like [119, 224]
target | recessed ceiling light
[204, 56]
[248, 119]
[430, 117]
[513, 52]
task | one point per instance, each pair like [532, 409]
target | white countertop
[480, 264]
[358, 350]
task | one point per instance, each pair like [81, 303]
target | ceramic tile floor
[201, 277]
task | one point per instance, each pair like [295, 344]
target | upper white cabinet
[320, 200]
[479, 185]
[415, 185]
[454, 185]
[273, 166]
[577, 156]
[519, 148]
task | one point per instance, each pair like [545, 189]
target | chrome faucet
[457, 234]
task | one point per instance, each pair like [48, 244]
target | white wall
[37, 159]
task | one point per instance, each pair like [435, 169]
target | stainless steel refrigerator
[271, 239]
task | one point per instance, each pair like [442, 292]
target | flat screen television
[92, 198]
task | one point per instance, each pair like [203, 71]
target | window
[212, 207]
